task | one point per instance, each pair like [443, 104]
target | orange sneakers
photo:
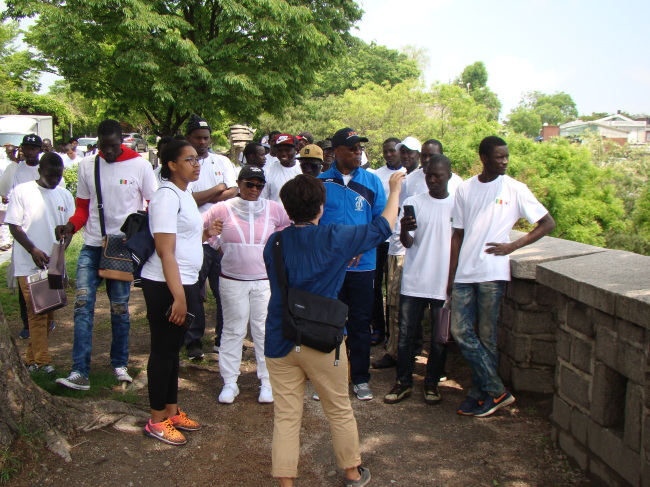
[182, 422]
[165, 432]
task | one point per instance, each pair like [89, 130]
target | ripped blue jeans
[88, 281]
[478, 303]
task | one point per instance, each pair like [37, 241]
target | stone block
[582, 355]
[533, 379]
[632, 362]
[604, 319]
[631, 332]
[505, 367]
[507, 314]
[580, 317]
[633, 416]
[574, 450]
[518, 348]
[529, 322]
[634, 306]
[563, 344]
[579, 423]
[545, 296]
[646, 433]
[561, 414]
[608, 396]
[645, 476]
[611, 450]
[607, 348]
[574, 387]
[603, 476]
[521, 291]
[543, 352]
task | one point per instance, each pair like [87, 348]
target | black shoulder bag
[115, 262]
[309, 319]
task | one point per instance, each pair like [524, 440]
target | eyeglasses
[193, 161]
[251, 185]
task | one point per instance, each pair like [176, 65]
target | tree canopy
[536, 109]
[474, 79]
[170, 58]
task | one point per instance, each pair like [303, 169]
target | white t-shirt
[270, 160]
[20, 173]
[276, 176]
[384, 173]
[125, 186]
[426, 262]
[454, 182]
[215, 169]
[487, 212]
[67, 162]
[174, 211]
[38, 210]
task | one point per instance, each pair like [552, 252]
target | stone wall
[575, 322]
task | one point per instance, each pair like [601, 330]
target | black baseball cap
[32, 139]
[348, 137]
[249, 172]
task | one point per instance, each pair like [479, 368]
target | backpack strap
[100, 202]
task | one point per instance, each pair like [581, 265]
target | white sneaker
[228, 393]
[266, 394]
[363, 391]
[122, 374]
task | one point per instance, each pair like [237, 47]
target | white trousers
[242, 302]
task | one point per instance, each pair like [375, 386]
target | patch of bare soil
[407, 444]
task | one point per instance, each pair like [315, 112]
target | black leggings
[166, 341]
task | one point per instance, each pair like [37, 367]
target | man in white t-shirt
[36, 207]
[271, 156]
[71, 156]
[487, 207]
[127, 181]
[427, 239]
[408, 152]
[217, 182]
[281, 172]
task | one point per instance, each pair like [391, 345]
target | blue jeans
[357, 293]
[478, 302]
[411, 312]
[88, 281]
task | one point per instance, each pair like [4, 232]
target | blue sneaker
[468, 406]
[491, 404]
[24, 333]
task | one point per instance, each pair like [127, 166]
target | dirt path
[408, 444]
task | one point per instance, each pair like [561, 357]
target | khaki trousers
[288, 378]
[393, 288]
[39, 329]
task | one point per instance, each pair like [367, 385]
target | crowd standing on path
[340, 238]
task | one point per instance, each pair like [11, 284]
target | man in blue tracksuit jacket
[354, 197]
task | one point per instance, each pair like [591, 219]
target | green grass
[9, 465]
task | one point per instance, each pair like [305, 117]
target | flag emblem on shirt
[217, 173]
[124, 181]
[61, 208]
[499, 201]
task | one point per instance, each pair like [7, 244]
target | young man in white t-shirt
[284, 170]
[217, 182]
[427, 239]
[127, 181]
[35, 208]
[487, 207]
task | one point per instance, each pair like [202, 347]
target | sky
[596, 51]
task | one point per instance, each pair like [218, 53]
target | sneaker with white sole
[266, 394]
[47, 369]
[74, 381]
[228, 393]
[363, 391]
[32, 368]
[122, 374]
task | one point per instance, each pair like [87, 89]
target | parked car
[135, 142]
[84, 142]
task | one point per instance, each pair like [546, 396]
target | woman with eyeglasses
[248, 221]
[170, 286]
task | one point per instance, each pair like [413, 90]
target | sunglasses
[251, 185]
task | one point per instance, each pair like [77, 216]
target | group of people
[213, 223]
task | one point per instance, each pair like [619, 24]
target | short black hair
[487, 145]
[169, 154]
[73, 139]
[109, 127]
[179, 137]
[391, 139]
[251, 148]
[434, 142]
[439, 159]
[303, 197]
[164, 141]
[50, 159]
[273, 134]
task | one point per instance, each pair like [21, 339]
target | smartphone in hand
[409, 211]
[189, 317]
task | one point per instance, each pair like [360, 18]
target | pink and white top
[247, 225]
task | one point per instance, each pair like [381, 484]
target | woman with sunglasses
[170, 287]
[248, 221]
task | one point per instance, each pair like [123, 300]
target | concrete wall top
[524, 262]
[612, 281]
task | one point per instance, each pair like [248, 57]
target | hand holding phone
[409, 222]
[178, 318]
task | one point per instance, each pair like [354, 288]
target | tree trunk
[27, 407]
